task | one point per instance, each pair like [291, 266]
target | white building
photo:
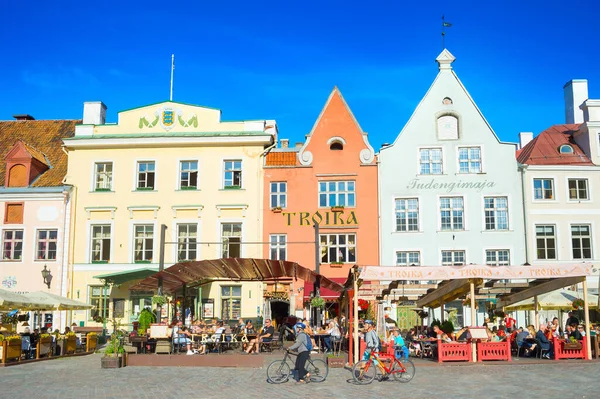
[562, 185]
[449, 190]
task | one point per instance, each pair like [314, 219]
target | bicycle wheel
[404, 372]
[278, 372]
[364, 372]
[318, 370]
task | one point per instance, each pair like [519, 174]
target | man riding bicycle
[301, 345]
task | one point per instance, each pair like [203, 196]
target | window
[336, 146]
[408, 258]
[188, 175]
[407, 214]
[12, 245]
[278, 194]
[103, 176]
[187, 235]
[13, 213]
[496, 213]
[543, 189]
[143, 243]
[430, 161]
[546, 242]
[233, 174]
[338, 248]
[18, 176]
[46, 244]
[231, 237]
[566, 149]
[581, 240]
[452, 213]
[231, 302]
[337, 193]
[98, 297]
[497, 257]
[578, 189]
[278, 246]
[145, 176]
[453, 258]
[469, 160]
[118, 308]
[101, 236]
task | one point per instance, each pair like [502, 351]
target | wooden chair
[163, 346]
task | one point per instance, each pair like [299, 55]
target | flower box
[11, 350]
[44, 347]
[336, 361]
[277, 209]
[337, 209]
[70, 345]
[91, 343]
[572, 345]
[111, 362]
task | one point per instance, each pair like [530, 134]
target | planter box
[572, 345]
[110, 362]
[336, 362]
[70, 345]
[44, 347]
[91, 343]
[11, 350]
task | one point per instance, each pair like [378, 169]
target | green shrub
[146, 318]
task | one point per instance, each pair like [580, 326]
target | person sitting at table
[545, 344]
[239, 328]
[574, 332]
[556, 328]
[249, 329]
[463, 334]
[181, 335]
[334, 334]
[266, 335]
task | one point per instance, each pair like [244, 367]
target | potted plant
[276, 209]
[336, 264]
[11, 348]
[337, 208]
[336, 361]
[70, 343]
[91, 342]
[44, 346]
[113, 353]
[159, 300]
[144, 320]
[578, 304]
[317, 302]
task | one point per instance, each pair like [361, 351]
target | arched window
[17, 176]
[566, 149]
[336, 146]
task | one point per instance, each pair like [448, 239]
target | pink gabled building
[330, 179]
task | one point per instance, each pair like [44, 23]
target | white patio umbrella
[11, 300]
[56, 302]
[555, 300]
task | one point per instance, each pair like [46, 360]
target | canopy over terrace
[191, 274]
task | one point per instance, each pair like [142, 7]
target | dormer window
[17, 176]
[566, 149]
[336, 143]
[24, 164]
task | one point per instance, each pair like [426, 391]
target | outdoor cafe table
[320, 338]
[140, 342]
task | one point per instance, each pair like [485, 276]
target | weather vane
[444, 25]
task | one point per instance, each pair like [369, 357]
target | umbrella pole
[473, 321]
[537, 312]
[586, 315]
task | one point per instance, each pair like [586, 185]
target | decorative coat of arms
[168, 117]
[9, 282]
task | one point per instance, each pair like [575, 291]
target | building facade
[329, 180]
[35, 210]
[561, 169]
[169, 164]
[449, 190]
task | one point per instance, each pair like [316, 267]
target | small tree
[146, 318]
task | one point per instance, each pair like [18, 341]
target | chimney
[285, 143]
[576, 92]
[94, 113]
[24, 117]
[299, 145]
[525, 138]
[591, 110]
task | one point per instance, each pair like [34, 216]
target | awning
[11, 300]
[232, 269]
[126, 276]
[326, 293]
[57, 302]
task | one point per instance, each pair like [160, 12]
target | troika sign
[322, 218]
[473, 271]
[433, 184]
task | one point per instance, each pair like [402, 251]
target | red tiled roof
[276, 158]
[43, 140]
[545, 148]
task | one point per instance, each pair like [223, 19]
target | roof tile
[544, 149]
[281, 158]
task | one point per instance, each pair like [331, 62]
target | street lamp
[47, 276]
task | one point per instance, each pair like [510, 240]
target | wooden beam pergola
[538, 289]
[448, 292]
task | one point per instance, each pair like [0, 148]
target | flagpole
[172, 69]
[443, 34]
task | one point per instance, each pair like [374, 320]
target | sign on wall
[208, 308]
[449, 187]
[322, 218]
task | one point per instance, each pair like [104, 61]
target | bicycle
[364, 371]
[279, 371]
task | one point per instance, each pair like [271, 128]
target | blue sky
[280, 60]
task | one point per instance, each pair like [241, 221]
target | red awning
[234, 269]
[326, 293]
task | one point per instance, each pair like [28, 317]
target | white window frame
[137, 175]
[14, 242]
[180, 171]
[554, 236]
[223, 237]
[346, 247]
[278, 243]
[404, 215]
[186, 241]
[231, 298]
[109, 175]
[496, 253]
[408, 254]
[587, 189]
[495, 211]
[234, 170]
[133, 239]
[346, 193]
[580, 239]
[453, 254]
[469, 161]
[430, 161]
[89, 249]
[553, 189]
[451, 209]
[278, 198]
[48, 241]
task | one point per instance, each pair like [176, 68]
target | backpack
[309, 345]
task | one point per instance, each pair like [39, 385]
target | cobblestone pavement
[82, 378]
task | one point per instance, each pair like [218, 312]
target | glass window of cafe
[139, 301]
[231, 302]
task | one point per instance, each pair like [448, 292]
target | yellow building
[168, 164]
